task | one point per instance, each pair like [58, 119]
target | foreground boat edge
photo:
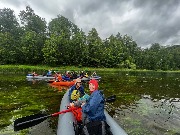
[65, 121]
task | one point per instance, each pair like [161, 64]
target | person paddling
[58, 77]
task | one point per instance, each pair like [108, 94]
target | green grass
[28, 68]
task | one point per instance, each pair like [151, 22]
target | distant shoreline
[29, 68]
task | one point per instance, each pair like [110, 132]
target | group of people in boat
[90, 113]
[71, 76]
[67, 76]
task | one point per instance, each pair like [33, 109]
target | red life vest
[77, 114]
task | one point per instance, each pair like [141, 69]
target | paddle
[32, 120]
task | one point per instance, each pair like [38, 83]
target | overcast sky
[146, 21]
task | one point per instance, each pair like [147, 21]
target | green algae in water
[19, 98]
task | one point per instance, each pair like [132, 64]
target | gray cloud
[148, 22]
[15, 3]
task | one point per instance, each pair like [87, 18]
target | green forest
[29, 39]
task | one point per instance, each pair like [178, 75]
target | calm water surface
[147, 103]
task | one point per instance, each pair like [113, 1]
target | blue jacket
[49, 73]
[94, 107]
[66, 78]
[81, 90]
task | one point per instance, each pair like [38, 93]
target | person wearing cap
[76, 91]
[93, 111]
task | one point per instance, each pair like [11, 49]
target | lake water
[148, 103]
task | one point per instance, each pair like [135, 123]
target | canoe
[62, 83]
[40, 77]
[37, 79]
[65, 121]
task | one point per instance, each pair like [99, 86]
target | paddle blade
[29, 121]
[110, 99]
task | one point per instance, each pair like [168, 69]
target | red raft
[63, 83]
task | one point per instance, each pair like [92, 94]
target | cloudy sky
[146, 21]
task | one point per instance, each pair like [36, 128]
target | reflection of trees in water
[149, 115]
[156, 86]
[160, 88]
[60, 88]
[146, 104]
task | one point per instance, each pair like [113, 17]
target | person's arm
[82, 90]
[92, 105]
[70, 92]
[79, 103]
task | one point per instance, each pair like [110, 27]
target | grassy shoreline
[30, 68]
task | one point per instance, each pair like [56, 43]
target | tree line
[28, 39]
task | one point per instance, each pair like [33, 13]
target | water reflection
[146, 104]
[150, 116]
[60, 88]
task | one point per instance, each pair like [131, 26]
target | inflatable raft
[39, 77]
[65, 122]
[62, 83]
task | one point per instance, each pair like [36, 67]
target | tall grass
[42, 68]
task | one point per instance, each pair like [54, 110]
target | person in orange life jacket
[93, 111]
[79, 90]
[58, 77]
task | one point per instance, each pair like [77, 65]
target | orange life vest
[59, 78]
